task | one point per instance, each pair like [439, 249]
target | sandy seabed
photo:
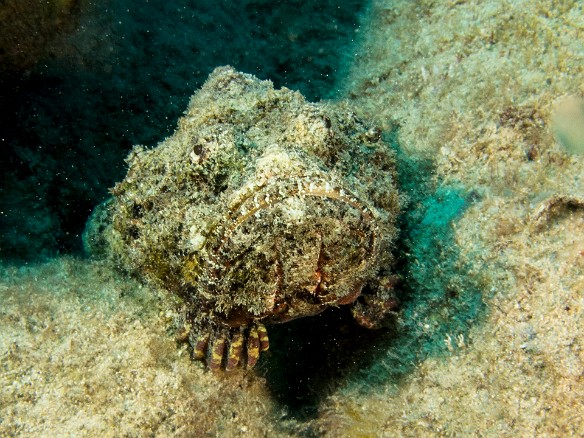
[466, 86]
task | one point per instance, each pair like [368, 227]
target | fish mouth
[292, 247]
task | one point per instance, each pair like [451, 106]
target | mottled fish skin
[259, 209]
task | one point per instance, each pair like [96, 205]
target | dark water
[121, 73]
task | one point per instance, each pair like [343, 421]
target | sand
[489, 339]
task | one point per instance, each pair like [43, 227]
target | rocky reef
[488, 338]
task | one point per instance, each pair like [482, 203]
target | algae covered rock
[259, 209]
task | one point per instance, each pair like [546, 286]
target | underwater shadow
[309, 358]
[123, 79]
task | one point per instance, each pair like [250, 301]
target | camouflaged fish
[259, 209]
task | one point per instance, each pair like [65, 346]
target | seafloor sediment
[489, 339]
[471, 86]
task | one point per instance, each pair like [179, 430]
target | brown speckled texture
[261, 208]
[469, 85]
